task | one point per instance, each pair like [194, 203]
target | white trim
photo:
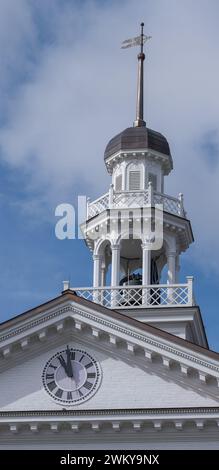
[160, 345]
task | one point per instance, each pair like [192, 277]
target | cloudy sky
[66, 88]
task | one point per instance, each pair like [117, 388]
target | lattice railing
[162, 295]
[135, 199]
[170, 204]
[98, 206]
[130, 199]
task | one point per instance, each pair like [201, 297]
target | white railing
[135, 199]
[161, 295]
[98, 206]
[170, 204]
[130, 199]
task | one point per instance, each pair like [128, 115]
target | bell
[134, 296]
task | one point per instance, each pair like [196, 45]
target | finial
[142, 38]
[139, 41]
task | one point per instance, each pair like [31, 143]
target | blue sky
[65, 89]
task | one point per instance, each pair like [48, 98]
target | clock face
[71, 376]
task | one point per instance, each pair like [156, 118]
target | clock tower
[124, 363]
[136, 232]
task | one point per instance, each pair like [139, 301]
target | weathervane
[139, 41]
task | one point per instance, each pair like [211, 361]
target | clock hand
[63, 364]
[69, 364]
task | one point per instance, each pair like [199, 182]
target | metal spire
[139, 41]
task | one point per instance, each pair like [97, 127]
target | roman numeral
[53, 367]
[51, 385]
[50, 376]
[89, 365]
[80, 393]
[81, 359]
[91, 375]
[62, 361]
[88, 385]
[72, 355]
[59, 393]
[69, 396]
[61, 357]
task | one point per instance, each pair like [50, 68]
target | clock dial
[71, 376]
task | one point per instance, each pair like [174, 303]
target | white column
[103, 275]
[171, 262]
[115, 272]
[96, 270]
[146, 264]
[177, 269]
[97, 259]
[102, 281]
[146, 272]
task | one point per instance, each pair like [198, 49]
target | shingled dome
[134, 138]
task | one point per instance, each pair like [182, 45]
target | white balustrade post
[181, 205]
[190, 280]
[97, 259]
[88, 203]
[115, 272]
[111, 191]
[150, 194]
[66, 285]
[171, 262]
[146, 273]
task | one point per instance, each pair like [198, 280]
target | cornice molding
[148, 341]
[113, 412]
[106, 323]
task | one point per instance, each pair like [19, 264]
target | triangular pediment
[138, 365]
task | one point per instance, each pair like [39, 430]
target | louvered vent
[134, 180]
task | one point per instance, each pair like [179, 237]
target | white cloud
[16, 26]
[81, 91]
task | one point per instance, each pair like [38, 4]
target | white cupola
[128, 271]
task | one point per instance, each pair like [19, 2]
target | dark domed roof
[134, 138]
